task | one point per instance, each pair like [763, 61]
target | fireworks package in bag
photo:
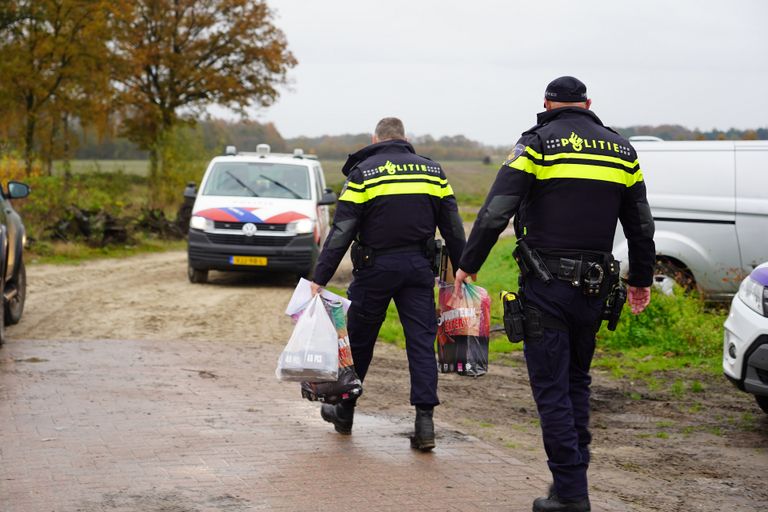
[312, 352]
[463, 329]
[347, 386]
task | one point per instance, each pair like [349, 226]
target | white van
[259, 211]
[709, 201]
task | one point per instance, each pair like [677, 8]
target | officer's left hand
[315, 288]
[639, 298]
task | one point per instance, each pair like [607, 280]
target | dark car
[13, 276]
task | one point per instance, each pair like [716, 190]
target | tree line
[137, 69]
[213, 135]
[677, 132]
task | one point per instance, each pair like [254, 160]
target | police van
[709, 201]
[259, 211]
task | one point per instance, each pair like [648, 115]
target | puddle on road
[31, 360]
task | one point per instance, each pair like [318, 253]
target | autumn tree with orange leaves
[174, 58]
[53, 66]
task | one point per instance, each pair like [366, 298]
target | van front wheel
[197, 275]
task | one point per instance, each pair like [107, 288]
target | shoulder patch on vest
[516, 152]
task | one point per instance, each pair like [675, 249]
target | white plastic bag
[303, 294]
[312, 352]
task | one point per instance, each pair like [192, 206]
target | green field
[470, 180]
[133, 167]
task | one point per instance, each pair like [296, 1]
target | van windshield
[258, 179]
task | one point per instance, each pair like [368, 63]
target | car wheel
[2, 323]
[197, 275]
[669, 272]
[762, 401]
[15, 307]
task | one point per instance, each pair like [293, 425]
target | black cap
[566, 89]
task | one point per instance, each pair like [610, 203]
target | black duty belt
[572, 268]
[586, 270]
[400, 249]
[364, 256]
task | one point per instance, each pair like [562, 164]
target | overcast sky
[479, 68]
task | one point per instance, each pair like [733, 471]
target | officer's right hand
[462, 277]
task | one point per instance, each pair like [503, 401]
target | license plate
[256, 261]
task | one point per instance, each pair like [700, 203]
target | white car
[259, 211]
[745, 344]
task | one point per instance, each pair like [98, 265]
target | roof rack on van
[645, 138]
[299, 153]
[263, 150]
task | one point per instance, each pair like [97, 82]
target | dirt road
[653, 449]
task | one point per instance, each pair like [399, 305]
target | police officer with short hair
[567, 183]
[390, 205]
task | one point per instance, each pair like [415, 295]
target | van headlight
[754, 295]
[201, 223]
[302, 226]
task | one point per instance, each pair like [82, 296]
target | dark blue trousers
[558, 367]
[408, 279]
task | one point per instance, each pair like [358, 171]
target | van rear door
[691, 190]
[752, 202]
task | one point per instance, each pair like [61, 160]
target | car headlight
[197, 222]
[754, 295]
[302, 226]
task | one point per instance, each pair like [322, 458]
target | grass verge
[76, 252]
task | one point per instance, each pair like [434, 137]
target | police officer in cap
[390, 205]
[567, 182]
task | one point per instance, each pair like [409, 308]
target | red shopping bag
[463, 329]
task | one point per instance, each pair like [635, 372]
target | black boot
[340, 415]
[554, 504]
[424, 434]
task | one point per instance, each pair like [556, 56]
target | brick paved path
[205, 426]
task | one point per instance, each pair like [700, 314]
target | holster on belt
[522, 321]
[613, 305]
[362, 256]
[530, 262]
[514, 318]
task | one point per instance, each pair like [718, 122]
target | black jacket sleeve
[346, 223]
[513, 182]
[637, 222]
[451, 228]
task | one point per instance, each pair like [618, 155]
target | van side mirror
[190, 191]
[328, 198]
[17, 190]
